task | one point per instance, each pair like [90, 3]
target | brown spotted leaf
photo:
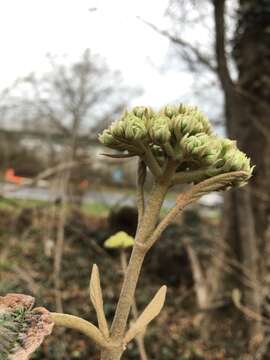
[22, 328]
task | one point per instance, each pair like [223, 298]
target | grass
[20, 203]
[95, 208]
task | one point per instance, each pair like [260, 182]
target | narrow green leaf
[149, 313]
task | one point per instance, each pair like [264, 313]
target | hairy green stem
[140, 249]
[150, 160]
[140, 338]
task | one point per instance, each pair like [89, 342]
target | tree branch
[202, 58]
[222, 65]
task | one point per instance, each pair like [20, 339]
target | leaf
[236, 297]
[119, 240]
[22, 328]
[149, 313]
[97, 300]
[118, 156]
[84, 326]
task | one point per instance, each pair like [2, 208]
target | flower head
[180, 132]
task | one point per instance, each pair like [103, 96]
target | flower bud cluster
[179, 132]
[217, 154]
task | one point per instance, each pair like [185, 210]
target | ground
[27, 232]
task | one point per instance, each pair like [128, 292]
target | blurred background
[68, 69]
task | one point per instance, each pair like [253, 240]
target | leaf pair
[149, 313]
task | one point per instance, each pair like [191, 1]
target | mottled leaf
[22, 328]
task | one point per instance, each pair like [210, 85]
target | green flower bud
[185, 109]
[236, 160]
[107, 139]
[118, 128]
[211, 154]
[169, 111]
[191, 120]
[134, 128]
[203, 147]
[159, 130]
[191, 124]
[227, 146]
[195, 143]
[179, 132]
[188, 125]
[143, 112]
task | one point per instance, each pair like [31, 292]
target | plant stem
[140, 338]
[127, 292]
[141, 177]
[140, 249]
[111, 354]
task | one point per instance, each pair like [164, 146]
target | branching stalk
[81, 325]
[140, 249]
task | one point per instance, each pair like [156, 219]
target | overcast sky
[30, 29]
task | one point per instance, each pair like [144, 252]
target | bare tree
[72, 101]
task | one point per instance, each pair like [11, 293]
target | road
[108, 197]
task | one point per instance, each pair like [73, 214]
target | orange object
[84, 184]
[11, 177]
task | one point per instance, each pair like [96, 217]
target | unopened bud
[134, 128]
[159, 131]
[143, 111]
[169, 111]
[107, 139]
[118, 128]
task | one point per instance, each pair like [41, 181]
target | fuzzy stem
[169, 150]
[141, 176]
[182, 201]
[150, 160]
[140, 338]
[111, 354]
[127, 293]
[140, 249]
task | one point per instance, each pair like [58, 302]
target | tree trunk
[247, 114]
[252, 130]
